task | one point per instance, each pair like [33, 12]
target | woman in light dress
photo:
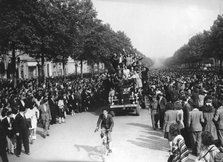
[32, 114]
[61, 110]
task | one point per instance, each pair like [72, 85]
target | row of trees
[208, 44]
[56, 29]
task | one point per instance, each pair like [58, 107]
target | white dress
[33, 114]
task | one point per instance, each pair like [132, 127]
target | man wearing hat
[22, 132]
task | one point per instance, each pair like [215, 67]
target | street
[75, 141]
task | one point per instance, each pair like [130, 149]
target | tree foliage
[208, 44]
[57, 29]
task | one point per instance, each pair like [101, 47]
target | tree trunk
[199, 64]
[64, 70]
[42, 66]
[92, 69]
[14, 65]
[98, 68]
[76, 68]
[81, 68]
[215, 62]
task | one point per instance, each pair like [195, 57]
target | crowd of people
[193, 101]
[186, 105]
[43, 103]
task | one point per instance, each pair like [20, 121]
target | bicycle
[105, 142]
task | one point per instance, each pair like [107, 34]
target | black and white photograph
[111, 80]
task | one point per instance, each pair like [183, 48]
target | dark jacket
[21, 124]
[3, 142]
[6, 124]
[106, 123]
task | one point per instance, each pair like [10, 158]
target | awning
[31, 63]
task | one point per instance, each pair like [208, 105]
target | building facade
[29, 67]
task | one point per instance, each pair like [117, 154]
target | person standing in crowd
[53, 108]
[21, 101]
[8, 124]
[195, 96]
[186, 110]
[34, 116]
[195, 123]
[180, 114]
[3, 144]
[170, 117]
[209, 112]
[61, 110]
[71, 103]
[154, 113]
[209, 150]
[84, 100]
[161, 108]
[22, 132]
[78, 98]
[28, 115]
[201, 98]
[179, 151]
[218, 118]
[45, 116]
[65, 100]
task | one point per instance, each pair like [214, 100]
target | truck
[126, 99]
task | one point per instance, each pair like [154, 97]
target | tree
[217, 38]
[16, 28]
[203, 45]
[196, 44]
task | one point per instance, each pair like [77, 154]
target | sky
[157, 28]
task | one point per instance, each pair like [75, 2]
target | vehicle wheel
[137, 111]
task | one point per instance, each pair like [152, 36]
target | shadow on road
[154, 143]
[154, 133]
[94, 152]
[150, 139]
[140, 125]
[39, 132]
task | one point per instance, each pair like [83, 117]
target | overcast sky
[158, 28]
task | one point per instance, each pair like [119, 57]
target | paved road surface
[75, 141]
